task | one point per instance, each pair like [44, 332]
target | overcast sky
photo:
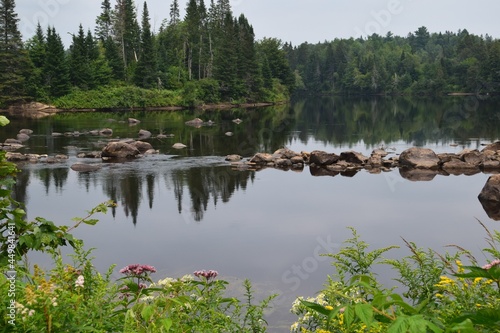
[295, 21]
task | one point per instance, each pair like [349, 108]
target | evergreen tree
[104, 23]
[56, 71]
[127, 33]
[175, 15]
[192, 24]
[14, 61]
[79, 63]
[226, 59]
[36, 47]
[146, 70]
[248, 68]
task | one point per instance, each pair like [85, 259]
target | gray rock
[421, 158]
[262, 158]
[144, 134]
[106, 132]
[23, 137]
[141, 146]
[320, 158]
[119, 150]
[353, 157]
[178, 145]
[233, 158]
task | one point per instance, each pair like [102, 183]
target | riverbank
[36, 110]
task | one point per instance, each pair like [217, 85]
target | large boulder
[353, 157]
[319, 157]
[141, 146]
[421, 158]
[495, 146]
[119, 150]
[490, 197]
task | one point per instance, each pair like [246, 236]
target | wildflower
[79, 281]
[137, 269]
[444, 282]
[54, 301]
[206, 274]
[187, 278]
[166, 282]
[329, 307]
[31, 312]
[492, 264]
[294, 327]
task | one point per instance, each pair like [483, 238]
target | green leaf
[4, 121]
[91, 221]
[365, 313]
[349, 315]
[400, 325]
[147, 312]
[166, 323]
[465, 326]
[316, 307]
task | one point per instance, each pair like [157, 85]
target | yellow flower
[322, 331]
[329, 307]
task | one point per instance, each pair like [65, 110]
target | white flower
[79, 281]
[166, 282]
[32, 312]
[187, 278]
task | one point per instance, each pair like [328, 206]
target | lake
[186, 210]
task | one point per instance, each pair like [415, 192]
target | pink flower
[206, 274]
[491, 264]
[137, 269]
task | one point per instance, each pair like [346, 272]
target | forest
[209, 57]
[422, 63]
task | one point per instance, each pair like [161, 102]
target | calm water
[185, 210]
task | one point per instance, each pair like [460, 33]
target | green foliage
[468, 303]
[420, 63]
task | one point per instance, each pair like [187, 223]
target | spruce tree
[174, 13]
[56, 73]
[104, 23]
[14, 61]
[145, 71]
[127, 33]
[79, 66]
[36, 47]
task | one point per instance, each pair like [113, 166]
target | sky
[295, 21]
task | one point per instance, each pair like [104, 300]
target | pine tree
[56, 72]
[192, 24]
[146, 70]
[79, 65]
[36, 47]
[104, 23]
[174, 13]
[14, 61]
[127, 33]
[226, 58]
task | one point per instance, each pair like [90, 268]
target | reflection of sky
[275, 224]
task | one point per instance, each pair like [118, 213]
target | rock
[495, 146]
[178, 145]
[297, 159]
[141, 146]
[375, 160]
[285, 153]
[23, 137]
[26, 131]
[229, 134]
[133, 121]
[151, 152]
[490, 197]
[319, 157]
[165, 136]
[84, 167]
[16, 157]
[262, 158]
[119, 150]
[237, 121]
[106, 132]
[283, 163]
[233, 158]
[421, 158]
[144, 134]
[472, 157]
[12, 141]
[379, 152]
[89, 154]
[56, 134]
[197, 122]
[353, 157]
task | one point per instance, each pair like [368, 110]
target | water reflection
[199, 174]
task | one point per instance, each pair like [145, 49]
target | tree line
[210, 56]
[420, 63]
[208, 53]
